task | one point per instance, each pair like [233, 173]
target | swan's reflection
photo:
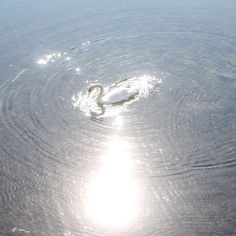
[113, 194]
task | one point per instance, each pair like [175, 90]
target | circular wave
[181, 123]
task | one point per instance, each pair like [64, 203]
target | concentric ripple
[177, 136]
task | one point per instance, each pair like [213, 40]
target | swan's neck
[99, 98]
[95, 114]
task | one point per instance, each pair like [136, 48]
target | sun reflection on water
[118, 122]
[113, 194]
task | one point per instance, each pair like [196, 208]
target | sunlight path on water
[113, 193]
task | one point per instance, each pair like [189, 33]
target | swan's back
[118, 95]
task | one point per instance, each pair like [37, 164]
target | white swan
[117, 96]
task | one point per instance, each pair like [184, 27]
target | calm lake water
[164, 164]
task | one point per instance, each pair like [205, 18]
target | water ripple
[181, 128]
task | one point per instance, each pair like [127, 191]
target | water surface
[163, 165]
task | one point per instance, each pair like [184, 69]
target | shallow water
[162, 165]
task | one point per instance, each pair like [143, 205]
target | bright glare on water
[113, 193]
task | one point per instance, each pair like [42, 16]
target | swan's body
[117, 96]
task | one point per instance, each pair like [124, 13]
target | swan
[117, 96]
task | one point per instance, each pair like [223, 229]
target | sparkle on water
[113, 193]
[49, 58]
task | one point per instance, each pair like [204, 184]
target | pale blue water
[179, 137]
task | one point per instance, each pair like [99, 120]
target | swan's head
[94, 86]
